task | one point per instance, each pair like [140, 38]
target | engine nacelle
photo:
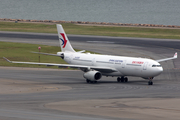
[92, 75]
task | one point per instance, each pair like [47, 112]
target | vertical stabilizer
[64, 42]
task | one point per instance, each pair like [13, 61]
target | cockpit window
[156, 66]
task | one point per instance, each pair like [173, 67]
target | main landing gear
[122, 79]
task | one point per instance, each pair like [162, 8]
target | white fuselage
[125, 66]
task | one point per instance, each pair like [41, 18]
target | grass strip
[21, 52]
[117, 31]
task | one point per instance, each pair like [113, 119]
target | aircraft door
[145, 66]
[124, 64]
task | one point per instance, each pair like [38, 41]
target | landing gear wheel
[118, 79]
[125, 79]
[122, 79]
[88, 81]
[150, 83]
[93, 82]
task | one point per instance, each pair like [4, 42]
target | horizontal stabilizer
[81, 51]
[46, 54]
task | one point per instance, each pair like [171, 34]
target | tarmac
[60, 94]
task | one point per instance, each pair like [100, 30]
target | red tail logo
[64, 41]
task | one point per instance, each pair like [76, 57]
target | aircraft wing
[100, 69]
[165, 59]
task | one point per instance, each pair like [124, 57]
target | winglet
[175, 55]
[7, 59]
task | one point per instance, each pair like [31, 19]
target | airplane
[95, 66]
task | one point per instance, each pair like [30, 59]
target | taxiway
[43, 94]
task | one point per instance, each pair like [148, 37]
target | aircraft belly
[150, 73]
[130, 71]
[113, 74]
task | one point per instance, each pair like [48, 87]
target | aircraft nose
[159, 70]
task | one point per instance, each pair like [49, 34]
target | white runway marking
[101, 42]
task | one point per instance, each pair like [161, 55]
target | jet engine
[92, 75]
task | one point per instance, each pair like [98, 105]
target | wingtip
[6, 59]
[175, 55]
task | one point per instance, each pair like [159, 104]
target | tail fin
[64, 42]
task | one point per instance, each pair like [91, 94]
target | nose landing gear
[150, 81]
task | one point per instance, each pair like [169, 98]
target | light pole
[39, 52]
